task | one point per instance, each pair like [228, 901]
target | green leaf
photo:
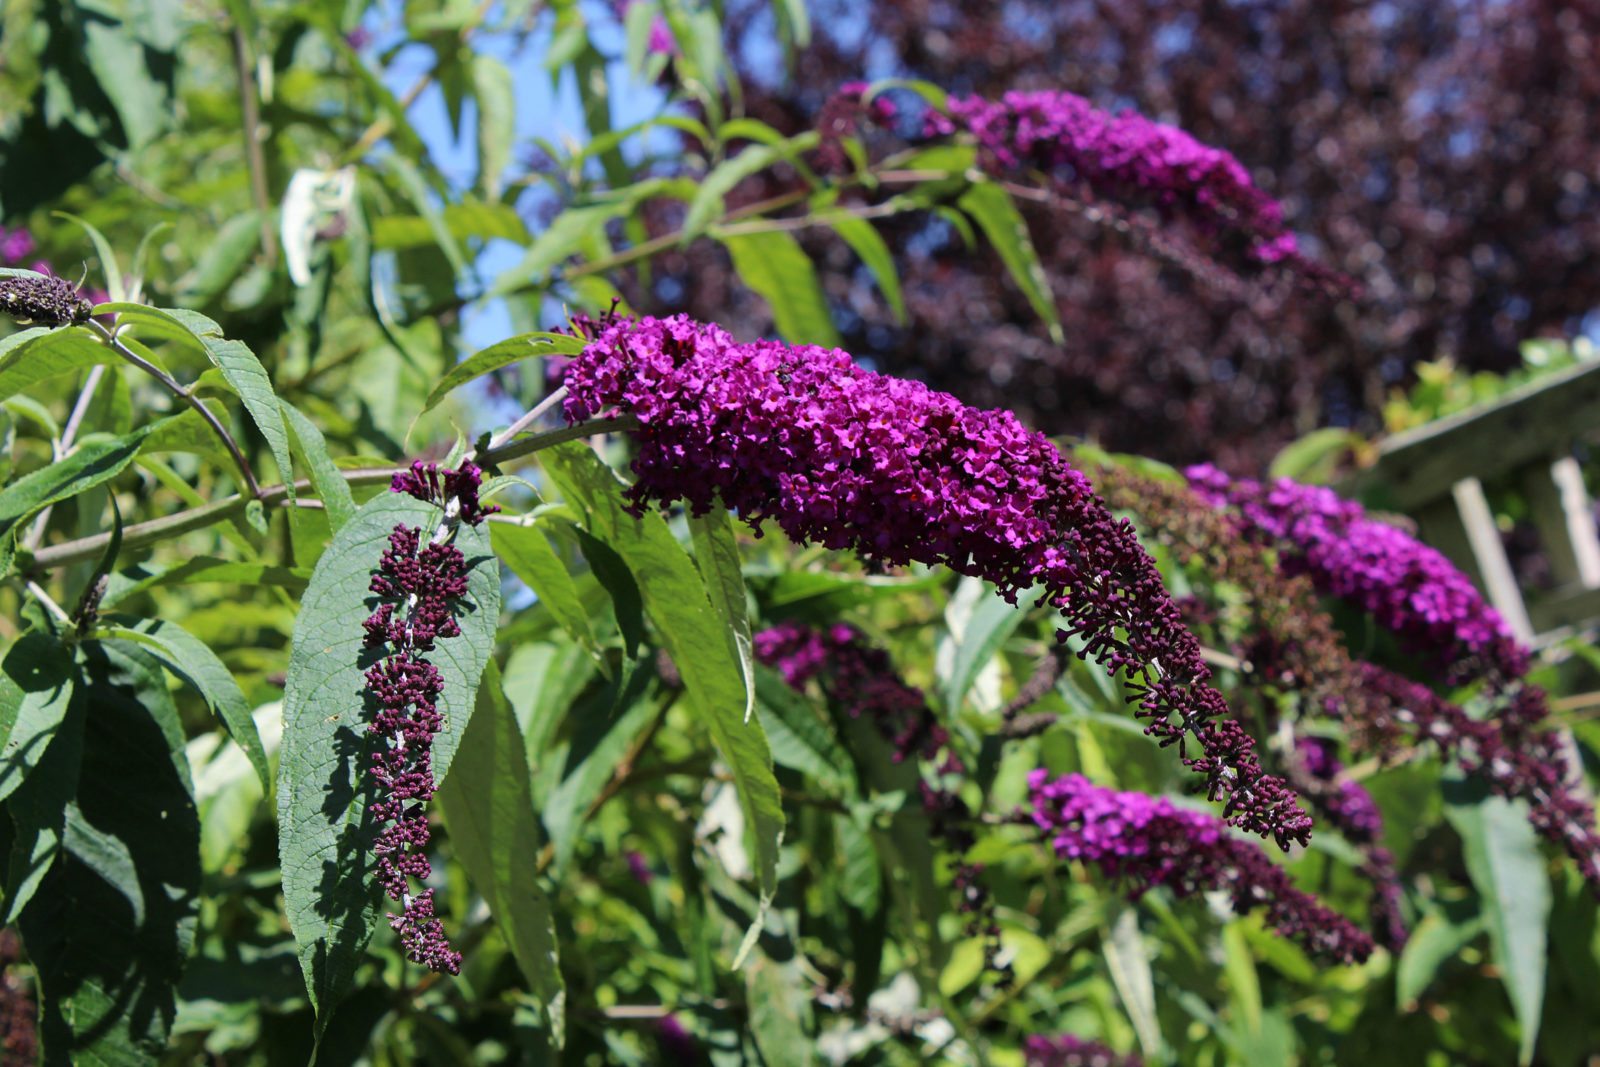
[1503, 859]
[32, 356]
[800, 738]
[324, 837]
[337, 502]
[1128, 961]
[992, 208]
[502, 354]
[527, 552]
[494, 832]
[990, 623]
[774, 265]
[675, 598]
[102, 248]
[113, 921]
[569, 231]
[707, 202]
[36, 688]
[1436, 939]
[860, 235]
[780, 1012]
[239, 366]
[1315, 458]
[717, 554]
[187, 657]
[137, 579]
[88, 466]
[497, 121]
[466, 219]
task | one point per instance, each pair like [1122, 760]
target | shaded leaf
[494, 832]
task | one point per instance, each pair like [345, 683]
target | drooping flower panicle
[1123, 156]
[1149, 842]
[1509, 752]
[850, 459]
[420, 582]
[1409, 588]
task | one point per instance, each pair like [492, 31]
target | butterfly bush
[1121, 156]
[851, 459]
[1409, 588]
[1148, 842]
[1290, 646]
[1508, 752]
[1349, 808]
[1384, 712]
[1065, 1050]
[420, 581]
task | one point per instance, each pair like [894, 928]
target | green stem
[147, 533]
[171, 385]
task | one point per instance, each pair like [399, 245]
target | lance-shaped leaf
[675, 597]
[32, 356]
[528, 553]
[187, 656]
[36, 686]
[41, 698]
[112, 924]
[717, 553]
[992, 208]
[773, 264]
[84, 468]
[330, 485]
[239, 366]
[324, 834]
[501, 354]
[488, 809]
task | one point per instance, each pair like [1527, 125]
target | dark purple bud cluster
[899, 473]
[440, 485]
[862, 680]
[1508, 752]
[420, 583]
[1123, 157]
[1148, 842]
[1065, 1050]
[1408, 587]
[45, 300]
[1350, 809]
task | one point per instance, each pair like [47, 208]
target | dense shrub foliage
[640, 689]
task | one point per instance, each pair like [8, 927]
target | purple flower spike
[1122, 156]
[1148, 842]
[420, 583]
[1409, 588]
[850, 459]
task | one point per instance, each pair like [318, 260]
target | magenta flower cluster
[1409, 588]
[420, 581]
[1508, 752]
[1123, 155]
[16, 245]
[1065, 1050]
[1148, 842]
[849, 459]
